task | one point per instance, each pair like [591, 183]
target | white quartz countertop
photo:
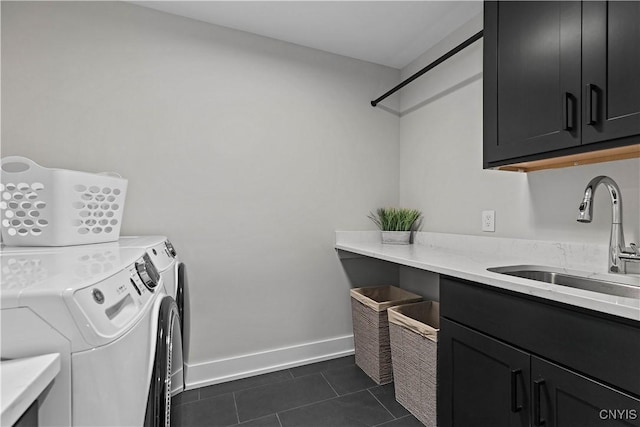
[468, 257]
[22, 382]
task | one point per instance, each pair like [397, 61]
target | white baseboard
[248, 365]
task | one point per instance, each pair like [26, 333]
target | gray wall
[247, 152]
[441, 163]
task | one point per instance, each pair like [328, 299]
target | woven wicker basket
[371, 328]
[413, 332]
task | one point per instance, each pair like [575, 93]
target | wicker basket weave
[371, 328]
[413, 332]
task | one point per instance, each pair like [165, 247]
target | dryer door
[184, 307]
[181, 285]
[167, 377]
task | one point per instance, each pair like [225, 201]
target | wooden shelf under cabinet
[608, 155]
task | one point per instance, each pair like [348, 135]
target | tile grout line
[319, 401]
[327, 381]
[382, 404]
[306, 404]
[235, 404]
[310, 404]
[293, 377]
[395, 419]
[243, 389]
[328, 368]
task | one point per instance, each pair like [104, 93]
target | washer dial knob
[148, 272]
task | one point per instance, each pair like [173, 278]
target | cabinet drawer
[596, 345]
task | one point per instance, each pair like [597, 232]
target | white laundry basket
[58, 207]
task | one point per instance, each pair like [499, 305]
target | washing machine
[104, 309]
[174, 278]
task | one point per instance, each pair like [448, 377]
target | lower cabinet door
[482, 381]
[563, 398]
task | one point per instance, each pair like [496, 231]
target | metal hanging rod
[438, 61]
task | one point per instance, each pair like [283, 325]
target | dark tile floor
[335, 393]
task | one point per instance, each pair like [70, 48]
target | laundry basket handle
[17, 164]
[111, 174]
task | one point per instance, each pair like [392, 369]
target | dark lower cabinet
[496, 366]
[562, 398]
[483, 382]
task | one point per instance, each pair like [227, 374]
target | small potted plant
[396, 224]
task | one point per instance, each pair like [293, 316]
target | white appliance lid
[51, 271]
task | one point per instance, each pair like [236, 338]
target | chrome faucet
[619, 254]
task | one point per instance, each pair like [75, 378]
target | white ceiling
[391, 33]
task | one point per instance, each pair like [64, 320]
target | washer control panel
[163, 255]
[107, 308]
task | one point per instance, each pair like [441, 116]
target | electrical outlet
[489, 221]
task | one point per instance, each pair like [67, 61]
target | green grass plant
[395, 219]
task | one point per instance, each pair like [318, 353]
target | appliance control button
[170, 248]
[98, 296]
[135, 287]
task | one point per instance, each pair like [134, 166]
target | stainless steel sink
[621, 286]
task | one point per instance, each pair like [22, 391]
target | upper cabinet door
[532, 77]
[611, 70]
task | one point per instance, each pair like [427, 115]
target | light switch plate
[489, 221]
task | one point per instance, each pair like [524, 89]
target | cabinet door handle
[514, 390]
[537, 419]
[591, 99]
[568, 112]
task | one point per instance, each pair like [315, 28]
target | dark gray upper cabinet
[610, 70]
[535, 70]
[558, 77]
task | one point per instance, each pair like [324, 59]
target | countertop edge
[23, 380]
[577, 298]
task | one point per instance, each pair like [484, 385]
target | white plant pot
[396, 237]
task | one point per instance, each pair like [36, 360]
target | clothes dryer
[99, 306]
